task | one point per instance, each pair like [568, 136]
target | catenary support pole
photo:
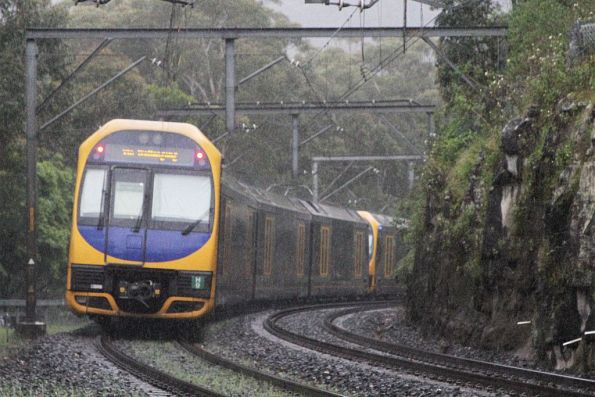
[295, 143]
[31, 131]
[411, 174]
[230, 85]
[315, 181]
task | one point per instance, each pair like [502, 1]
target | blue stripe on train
[162, 245]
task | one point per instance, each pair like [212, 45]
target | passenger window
[300, 249]
[269, 244]
[389, 256]
[325, 249]
[358, 252]
[250, 238]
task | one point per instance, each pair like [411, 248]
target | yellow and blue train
[158, 233]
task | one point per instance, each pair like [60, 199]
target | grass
[58, 320]
[230, 383]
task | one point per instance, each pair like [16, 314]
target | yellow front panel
[204, 259]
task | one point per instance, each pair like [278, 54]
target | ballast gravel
[390, 325]
[67, 364]
[242, 339]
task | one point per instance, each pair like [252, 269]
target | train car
[144, 234]
[282, 250]
[264, 246]
[238, 244]
[385, 248]
[338, 251]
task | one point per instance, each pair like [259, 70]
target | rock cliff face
[512, 265]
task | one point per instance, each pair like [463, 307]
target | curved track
[277, 381]
[149, 374]
[441, 366]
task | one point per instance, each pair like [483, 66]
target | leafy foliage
[178, 72]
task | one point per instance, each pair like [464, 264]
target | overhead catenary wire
[321, 49]
[409, 42]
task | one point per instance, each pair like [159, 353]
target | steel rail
[263, 33]
[282, 383]
[151, 375]
[494, 369]
[476, 376]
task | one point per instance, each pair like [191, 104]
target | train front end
[144, 233]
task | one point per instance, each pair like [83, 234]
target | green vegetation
[178, 72]
[465, 260]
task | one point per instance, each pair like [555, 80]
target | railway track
[442, 367]
[275, 380]
[149, 374]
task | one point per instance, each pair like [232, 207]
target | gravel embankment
[66, 364]
[391, 326]
[243, 339]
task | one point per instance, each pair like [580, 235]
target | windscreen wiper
[101, 220]
[139, 220]
[194, 224]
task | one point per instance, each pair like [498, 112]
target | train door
[126, 225]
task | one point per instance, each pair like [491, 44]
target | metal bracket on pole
[317, 160]
[295, 143]
[260, 70]
[394, 128]
[89, 95]
[349, 182]
[468, 80]
[330, 185]
[230, 85]
[101, 46]
[322, 131]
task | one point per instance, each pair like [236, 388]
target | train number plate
[198, 282]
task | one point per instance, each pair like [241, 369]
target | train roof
[319, 210]
[259, 197]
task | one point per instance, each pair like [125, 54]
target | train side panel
[280, 266]
[391, 249]
[338, 252]
[235, 271]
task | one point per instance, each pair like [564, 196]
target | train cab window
[358, 252]
[128, 196]
[389, 256]
[269, 245]
[128, 199]
[181, 198]
[325, 249]
[92, 195]
[300, 249]
[370, 242]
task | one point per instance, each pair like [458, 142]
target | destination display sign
[149, 155]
